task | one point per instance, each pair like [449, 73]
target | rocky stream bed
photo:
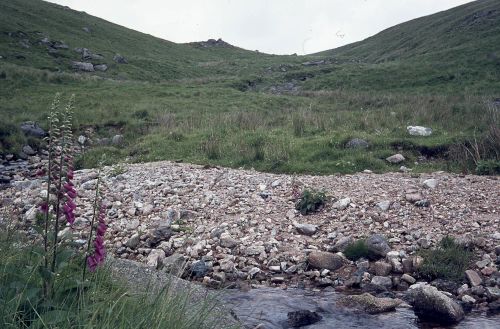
[239, 230]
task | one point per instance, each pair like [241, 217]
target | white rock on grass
[419, 131]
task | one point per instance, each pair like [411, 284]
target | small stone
[413, 197]
[199, 269]
[430, 183]
[117, 140]
[383, 281]
[342, 204]
[384, 205]
[483, 263]
[370, 304]
[463, 289]
[156, 258]
[468, 299]
[227, 241]
[277, 279]
[408, 278]
[396, 158]
[423, 203]
[306, 229]
[382, 268]
[419, 131]
[253, 271]
[474, 278]
[325, 260]
[133, 241]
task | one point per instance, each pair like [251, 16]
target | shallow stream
[269, 307]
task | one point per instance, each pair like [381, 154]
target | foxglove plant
[59, 180]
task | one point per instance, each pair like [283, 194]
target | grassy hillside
[219, 104]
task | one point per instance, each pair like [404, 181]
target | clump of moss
[358, 249]
[448, 261]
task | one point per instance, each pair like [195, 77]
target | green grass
[214, 105]
[449, 261]
[357, 250]
[100, 302]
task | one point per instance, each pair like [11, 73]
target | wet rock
[369, 303]
[306, 229]
[396, 158]
[419, 131]
[431, 304]
[474, 278]
[377, 245]
[31, 128]
[494, 308]
[302, 318]
[357, 143]
[325, 260]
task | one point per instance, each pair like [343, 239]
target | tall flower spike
[99, 254]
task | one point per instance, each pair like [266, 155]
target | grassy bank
[99, 302]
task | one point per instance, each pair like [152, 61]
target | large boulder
[377, 245]
[419, 131]
[369, 303]
[101, 67]
[325, 260]
[431, 304]
[30, 128]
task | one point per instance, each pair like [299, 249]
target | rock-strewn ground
[242, 223]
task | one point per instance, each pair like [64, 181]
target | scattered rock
[306, 229]
[357, 143]
[369, 304]
[342, 204]
[474, 278]
[31, 128]
[120, 59]
[133, 241]
[227, 241]
[383, 281]
[101, 67]
[325, 260]
[117, 140]
[419, 131]
[83, 66]
[156, 258]
[413, 197]
[431, 304]
[382, 268]
[384, 205]
[28, 150]
[430, 183]
[396, 158]
[302, 318]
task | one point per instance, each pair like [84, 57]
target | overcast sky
[270, 26]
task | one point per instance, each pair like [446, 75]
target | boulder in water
[302, 318]
[431, 304]
[369, 303]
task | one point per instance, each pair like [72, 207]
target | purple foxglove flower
[44, 207]
[91, 263]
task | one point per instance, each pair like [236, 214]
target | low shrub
[448, 261]
[488, 167]
[310, 201]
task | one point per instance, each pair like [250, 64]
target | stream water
[269, 307]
